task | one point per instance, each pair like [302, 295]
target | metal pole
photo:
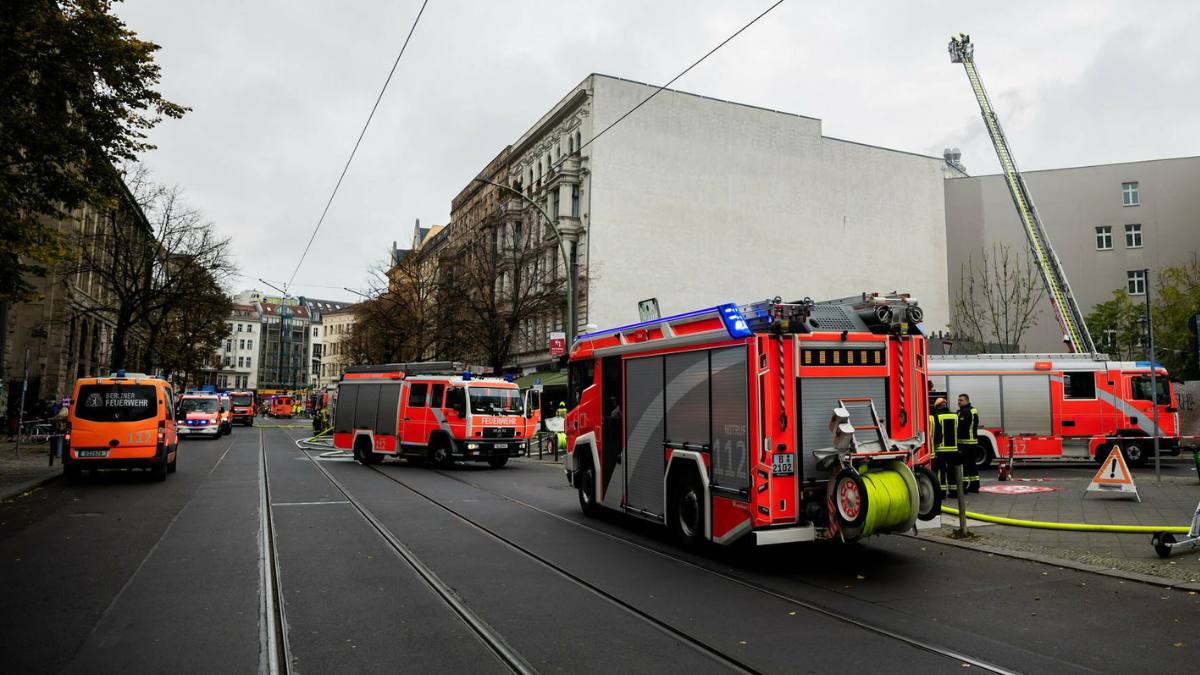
[962, 497]
[570, 273]
[21, 404]
[1153, 381]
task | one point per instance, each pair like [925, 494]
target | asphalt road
[404, 569]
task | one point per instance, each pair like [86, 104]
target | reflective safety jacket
[945, 432]
[968, 425]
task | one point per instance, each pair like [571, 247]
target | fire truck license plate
[502, 445]
[782, 464]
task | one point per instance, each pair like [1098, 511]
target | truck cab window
[581, 376]
[456, 400]
[1140, 389]
[1079, 385]
[435, 397]
[417, 394]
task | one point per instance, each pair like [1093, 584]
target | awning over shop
[549, 379]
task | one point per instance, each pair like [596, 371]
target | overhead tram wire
[358, 142]
[673, 79]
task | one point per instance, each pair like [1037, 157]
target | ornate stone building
[67, 337]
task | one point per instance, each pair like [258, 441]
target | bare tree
[152, 267]
[396, 322]
[494, 281]
[997, 299]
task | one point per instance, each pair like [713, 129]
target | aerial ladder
[1070, 318]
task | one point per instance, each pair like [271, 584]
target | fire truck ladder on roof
[1070, 318]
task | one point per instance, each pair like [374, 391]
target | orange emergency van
[122, 421]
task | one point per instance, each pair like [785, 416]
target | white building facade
[238, 356]
[697, 201]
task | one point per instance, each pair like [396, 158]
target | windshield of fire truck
[205, 405]
[1141, 389]
[243, 400]
[494, 401]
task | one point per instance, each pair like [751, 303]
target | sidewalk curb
[7, 493]
[1164, 582]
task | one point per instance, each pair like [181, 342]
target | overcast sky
[279, 90]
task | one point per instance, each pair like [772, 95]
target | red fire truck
[1062, 406]
[780, 421]
[421, 412]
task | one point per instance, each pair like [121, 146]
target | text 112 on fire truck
[780, 421]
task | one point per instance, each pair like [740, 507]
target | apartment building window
[228, 361]
[1137, 282]
[249, 360]
[1129, 194]
[1133, 236]
[316, 332]
[249, 344]
[554, 205]
[1104, 238]
[228, 345]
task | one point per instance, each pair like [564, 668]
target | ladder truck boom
[1070, 318]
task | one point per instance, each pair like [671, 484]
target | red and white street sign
[558, 344]
[1017, 489]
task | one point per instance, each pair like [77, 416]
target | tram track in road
[276, 655]
[487, 635]
[510, 656]
[911, 641]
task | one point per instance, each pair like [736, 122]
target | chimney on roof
[953, 157]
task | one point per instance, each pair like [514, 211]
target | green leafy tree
[1177, 298]
[1118, 326]
[78, 97]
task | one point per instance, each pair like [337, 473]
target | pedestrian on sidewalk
[61, 422]
[968, 442]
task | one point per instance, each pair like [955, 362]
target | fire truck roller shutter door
[1026, 404]
[644, 468]
[818, 397]
[368, 404]
[343, 416]
[730, 418]
[984, 391]
[389, 406]
[687, 399]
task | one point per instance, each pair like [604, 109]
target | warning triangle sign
[1114, 476]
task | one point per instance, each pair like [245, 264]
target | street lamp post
[1153, 378]
[562, 247]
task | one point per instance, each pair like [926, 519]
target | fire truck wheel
[849, 498]
[687, 511]
[1136, 453]
[986, 455]
[441, 456]
[497, 462]
[929, 498]
[586, 479]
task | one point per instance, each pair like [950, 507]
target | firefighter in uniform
[968, 442]
[945, 445]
